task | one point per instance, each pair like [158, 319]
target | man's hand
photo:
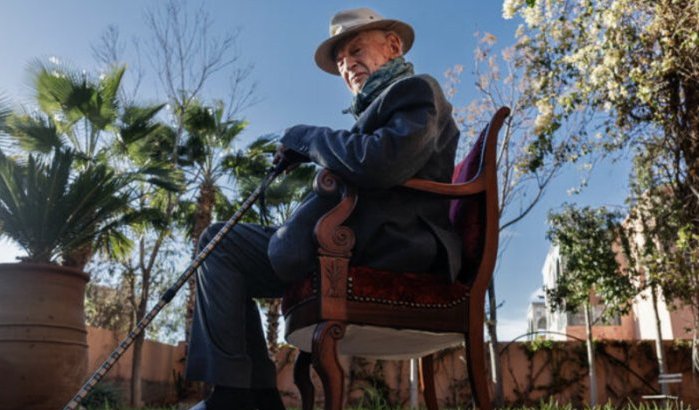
[289, 159]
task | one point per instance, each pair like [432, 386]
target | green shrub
[104, 396]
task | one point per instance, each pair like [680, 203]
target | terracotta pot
[43, 340]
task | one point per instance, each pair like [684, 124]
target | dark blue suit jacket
[406, 132]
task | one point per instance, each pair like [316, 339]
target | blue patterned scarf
[388, 74]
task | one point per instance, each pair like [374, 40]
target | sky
[278, 39]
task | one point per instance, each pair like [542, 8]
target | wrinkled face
[359, 56]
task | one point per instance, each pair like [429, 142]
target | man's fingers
[291, 157]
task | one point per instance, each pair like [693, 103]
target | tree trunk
[496, 371]
[591, 355]
[78, 258]
[660, 352]
[136, 389]
[273, 315]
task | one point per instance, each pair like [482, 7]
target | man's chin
[358, 87]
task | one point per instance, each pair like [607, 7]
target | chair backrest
[476, 216]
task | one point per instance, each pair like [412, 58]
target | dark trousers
[227, 345]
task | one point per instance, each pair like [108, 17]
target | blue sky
[279, 38]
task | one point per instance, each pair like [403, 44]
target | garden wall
[531, 372]
[161, 366]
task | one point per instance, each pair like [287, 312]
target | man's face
[358, 57]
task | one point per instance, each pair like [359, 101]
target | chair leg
[325, 362]
[427, 367]
[302, 379]
[475, 355]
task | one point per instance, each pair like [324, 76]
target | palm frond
[207, 131]
[36, 133]
[61, 90]
[5, 111]
[137, 122]
[74, 95]
[51, 214]
[109, 86]
[162, 175]
[230, 131]
[29, 196]
[155, 147]
[200, 120]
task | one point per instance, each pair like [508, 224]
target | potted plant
[57, 218]
[61, 201]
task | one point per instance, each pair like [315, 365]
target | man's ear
[395, 44]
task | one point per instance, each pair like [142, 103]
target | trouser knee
[289, 264]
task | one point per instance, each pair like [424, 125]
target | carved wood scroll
[333, 238]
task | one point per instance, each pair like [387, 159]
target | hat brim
[324, 53]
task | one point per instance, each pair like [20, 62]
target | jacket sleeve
[393, 152]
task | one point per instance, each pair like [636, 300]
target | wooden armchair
[343, 309]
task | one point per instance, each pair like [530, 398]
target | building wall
[639, 324]
[645, 318]
[556, 322]
[682, 323]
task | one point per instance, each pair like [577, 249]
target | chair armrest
[446, 190]
[335, 239]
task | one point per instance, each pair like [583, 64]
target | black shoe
[268, 399]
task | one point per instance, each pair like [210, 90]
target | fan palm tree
[210, 135]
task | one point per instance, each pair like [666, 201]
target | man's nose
[347, 63]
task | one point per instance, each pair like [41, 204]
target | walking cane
[170, 293]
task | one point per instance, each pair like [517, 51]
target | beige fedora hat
[348, 22]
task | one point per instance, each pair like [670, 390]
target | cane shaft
[168, 295]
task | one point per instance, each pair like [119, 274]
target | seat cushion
[376, 286]
[370, 342]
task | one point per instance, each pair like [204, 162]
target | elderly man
[403, 129]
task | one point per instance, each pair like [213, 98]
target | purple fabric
[465, 171]
[468, 214]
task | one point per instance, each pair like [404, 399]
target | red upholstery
[371, 285]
